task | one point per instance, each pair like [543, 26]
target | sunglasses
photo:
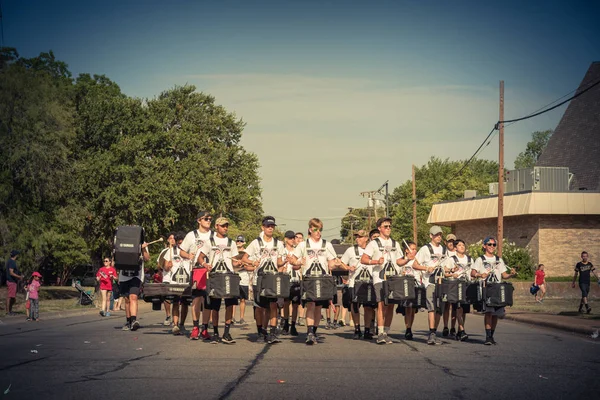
[491, 244]
[106, 261]
[206, 218]
[386, 226]
[225, 225]
[316, 229]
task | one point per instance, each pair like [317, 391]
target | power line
[549, 109]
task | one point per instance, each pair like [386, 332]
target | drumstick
[156, 241]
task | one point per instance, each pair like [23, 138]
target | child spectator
[540, 281]
[33, 291]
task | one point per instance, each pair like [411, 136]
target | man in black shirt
[584, 268]
[13, 276]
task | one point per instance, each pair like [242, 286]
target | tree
[534, 149]
[436, 181]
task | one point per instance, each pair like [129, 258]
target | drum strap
[430, 247]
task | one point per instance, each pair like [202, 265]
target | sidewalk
[566, 323]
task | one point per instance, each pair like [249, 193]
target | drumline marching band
[205, 268]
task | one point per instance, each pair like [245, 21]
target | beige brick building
[555, 226]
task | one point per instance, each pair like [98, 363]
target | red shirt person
[106, 275]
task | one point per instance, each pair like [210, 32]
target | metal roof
[522, 203]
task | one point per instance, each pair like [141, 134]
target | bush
[514, 256]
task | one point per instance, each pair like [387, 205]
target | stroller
[86, 298]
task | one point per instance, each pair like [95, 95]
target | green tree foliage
[514, 256]
[436, 181]
[80, 158]
[535, 147]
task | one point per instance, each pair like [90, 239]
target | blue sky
[338, 96]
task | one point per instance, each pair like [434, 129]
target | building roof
[515, 204]
[576, 139]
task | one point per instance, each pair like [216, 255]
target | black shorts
[244, 292]
[585, 289]
[465, 307]
[215, 304]
[129, 287]
[295, 293]
[198, 293]
[322, 303]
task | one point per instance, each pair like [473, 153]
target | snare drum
[274, 286]
[498, 294]
[398, 289]
[318, 288]
[223, 286]
[453, 291]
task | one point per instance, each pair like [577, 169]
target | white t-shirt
[194, 240]
[315, 257]
[463, 266]
[295, 275]
[450, 253]
[266, 255]
[490, 266]
[181, 270]
[219, 252]
[426, 259]
[390, 251]
[352, 260]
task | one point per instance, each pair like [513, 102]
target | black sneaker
[227, 339]
[328, 326]
[135, 325]
[126, 327]
[488, 341]
[493, 341]
[368, 336]
[271, 339]
[408, 335]
[588, 310]
[452, 331]
[357, 335]
[580, 311]
[101, 313]
[381, 339]
[464, 336]
[341, 323]
[215, 339]
[445, 332]
[310, 339]
[293, 331]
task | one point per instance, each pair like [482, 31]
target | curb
[584, 330]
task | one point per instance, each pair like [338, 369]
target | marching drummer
[295, 291]
[220, 251]
[459, 266]
[192, 243]
[409, 308]
[263, 256]
[315, 257]
[351, 260]
[428, 261]
[491, 268]
[384, 256]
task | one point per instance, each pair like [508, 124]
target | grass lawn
[52, 298]
[557, 306]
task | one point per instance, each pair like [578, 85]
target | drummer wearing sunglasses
[491, 268]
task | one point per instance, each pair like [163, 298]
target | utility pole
[501, 173]
[414, 201]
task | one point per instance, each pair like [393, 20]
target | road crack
[120, 367]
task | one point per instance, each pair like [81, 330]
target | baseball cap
[268, 220]
[434, 230]
[14, 253]
[290, 235]
[450, 236]
[36, 274]
[361, 233]
[203, 213]
[221, 221]
[240, 238]
[487, 239]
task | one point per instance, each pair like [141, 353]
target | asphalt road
[89, 357]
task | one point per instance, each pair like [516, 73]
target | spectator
[584, 268]
[13, 276]
[106, 275]
[33, 292]
[540, 281]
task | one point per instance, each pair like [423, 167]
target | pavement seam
[23, 363]
[230, 388]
